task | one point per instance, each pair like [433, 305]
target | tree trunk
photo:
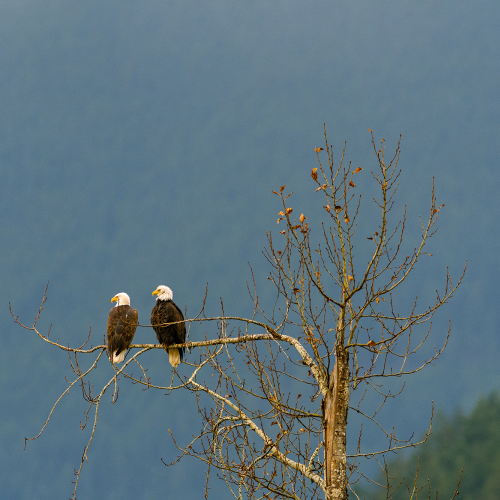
[335, 406]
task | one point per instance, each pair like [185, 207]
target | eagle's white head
[121, 299]
[163, 293]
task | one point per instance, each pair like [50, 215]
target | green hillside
[459, 442]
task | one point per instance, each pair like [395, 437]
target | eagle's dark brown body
[165, 311]
[122, 323]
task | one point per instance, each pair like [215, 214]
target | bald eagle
[165, 311]
[122, 322]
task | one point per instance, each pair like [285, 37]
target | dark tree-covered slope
[469, 442]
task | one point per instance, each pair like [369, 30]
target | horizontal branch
[271, 335]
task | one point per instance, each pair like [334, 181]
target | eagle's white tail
[118, 358]
[174, 357]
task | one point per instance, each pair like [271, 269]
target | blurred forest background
[139, 144]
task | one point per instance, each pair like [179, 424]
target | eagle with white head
[163, 314]
[122, 323]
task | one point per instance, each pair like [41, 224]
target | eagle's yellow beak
[156, 292]
[115, 298]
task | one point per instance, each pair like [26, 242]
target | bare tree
[274, 389]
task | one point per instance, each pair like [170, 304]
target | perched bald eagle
[165, 311]
[122, 322]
